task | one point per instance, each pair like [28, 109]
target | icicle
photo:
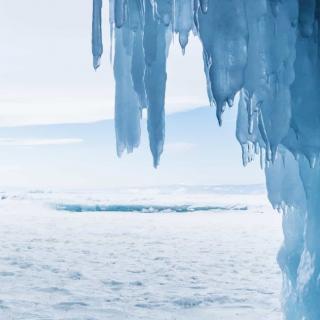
[262, 158]
[306, 17]
[127, 107]
[244, 148]
[155, 49]
[164, 11]
[138, 68]
[120, 12]
[223, 32]
[184, 18]
[111, 26]
[97, 47]
[204, 5]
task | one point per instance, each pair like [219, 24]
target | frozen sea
[175, 253]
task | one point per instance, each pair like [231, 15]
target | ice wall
[268, 50]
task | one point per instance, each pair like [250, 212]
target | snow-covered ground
[152, 264]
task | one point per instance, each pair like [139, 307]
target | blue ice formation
[266, 50]
[144, 208]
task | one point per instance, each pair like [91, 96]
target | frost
[266, 50]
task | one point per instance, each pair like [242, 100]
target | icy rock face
[266, 50]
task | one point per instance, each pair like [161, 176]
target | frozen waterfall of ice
[268, 50]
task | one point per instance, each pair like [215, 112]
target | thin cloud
[26, 112]
[37, 142]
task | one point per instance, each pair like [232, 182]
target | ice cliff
[268, 50]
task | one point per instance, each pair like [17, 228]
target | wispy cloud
[37, 142]
[27, 112]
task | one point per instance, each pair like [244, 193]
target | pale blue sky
[46, 77]
[197, 151]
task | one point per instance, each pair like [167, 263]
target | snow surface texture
[58, 265]
[268, 50]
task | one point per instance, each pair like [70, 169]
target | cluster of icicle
[268, 50]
